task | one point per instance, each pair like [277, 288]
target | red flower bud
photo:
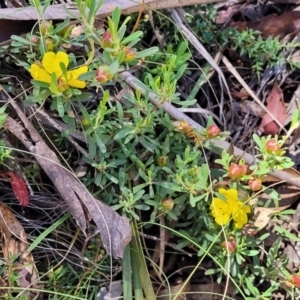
[296, 280]
[213, 131]
[255, 184]
[229, 245]
[167, 203]
[107, 41]
[235, 171]
[245, 169]
[129, 54]
[272, 146]
[34, 40]
[103, 75]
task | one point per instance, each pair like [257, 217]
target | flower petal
[221, 211]
[39, 73]
[51, 62]
[231, 195]
[74, 74]
[239, 214]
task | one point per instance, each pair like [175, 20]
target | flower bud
[34, 39]
[103, 76]
[272, 146]
[49, 45]
[167, 203]
[45, 27]
[229, 245]
[182, 126]
[107, 41]
[245, 168]
[213, 131]
[255, 184]
[235, 171]
[129, 54]
[85, 122]
[296, 280]
[162, 161]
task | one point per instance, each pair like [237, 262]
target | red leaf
[19, 187]
[277, 109]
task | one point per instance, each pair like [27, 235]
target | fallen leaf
[19, 188]
[262, 217]
[18, 185]
[14, 246]
[76, 31]
[291, 172]
[273, 25]
[289, 194]
[276, 107]
[225, 15]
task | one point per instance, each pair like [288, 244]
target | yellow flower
[223, 210]
[51, 64]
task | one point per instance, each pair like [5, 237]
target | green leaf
[87, 76]
[100, 143]
[194, 200]
[142, 207]
[39, 83]
[116, 16]
[132, 37]
[257, 140]
[60, 107]
[170, 186]
[3, 115]
[63, 68]
[212, 271]
[122, 134]
[139, 187]
[37, 98]
[21, 40]
[111, 178]
[147, 52]
[250, 252]
[287, 234]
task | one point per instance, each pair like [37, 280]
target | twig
[195, 42]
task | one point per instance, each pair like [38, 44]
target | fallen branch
[63, 11]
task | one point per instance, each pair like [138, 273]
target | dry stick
[195, 42]
[178, 115]
[63, 11]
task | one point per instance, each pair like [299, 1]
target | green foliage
[249, 43]
[139, 160]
